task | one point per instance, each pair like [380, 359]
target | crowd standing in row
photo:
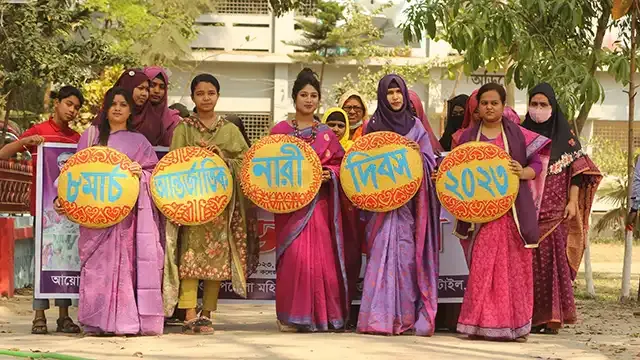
[138, 272]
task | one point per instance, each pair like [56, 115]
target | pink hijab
[420, 114]
[170, 118]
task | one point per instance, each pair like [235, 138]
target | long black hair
[237, 121]
[104, 127]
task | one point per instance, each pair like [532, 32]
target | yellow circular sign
[474, 182]
[96, 188]
[191, 185]
[281, 174]
[381, 172]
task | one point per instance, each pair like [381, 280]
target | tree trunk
[321, 79]
[588, 270]
[511, 90]
[7, 109]
[603, 23]
[625, 293]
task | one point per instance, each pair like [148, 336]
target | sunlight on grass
[607, 287]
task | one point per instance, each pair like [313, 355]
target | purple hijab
[524, 201]
[385, 118]
[170, 118]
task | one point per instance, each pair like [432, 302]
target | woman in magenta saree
[569, 191]
[498, 302]
[121, 266]
[311, 280]
[400, 292]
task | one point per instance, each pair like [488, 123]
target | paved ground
[606, 330]
[249, 332]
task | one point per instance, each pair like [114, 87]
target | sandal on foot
[198, 326]
[286, 328]
[522, 339]
[67, 326]
[550, 331]
[39, 326]
[538, 329]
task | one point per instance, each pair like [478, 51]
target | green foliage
[153, 32]
[553, 41]
[610, 156]
[366, 80]
[94, 94]
[339, 33]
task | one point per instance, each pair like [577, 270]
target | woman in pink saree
[121, 266]
[311, 279]
[498, 302]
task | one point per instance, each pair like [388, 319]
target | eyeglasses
[352, 108]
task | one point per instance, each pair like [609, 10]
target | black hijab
[557, 128]
[454, 123]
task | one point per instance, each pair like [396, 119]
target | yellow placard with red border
[381, 172]
[281, 174]
[191, 185]
[96, 188]
[474, 182]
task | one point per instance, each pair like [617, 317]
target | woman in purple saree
[311, 279]
[121, 266]
[400, 284]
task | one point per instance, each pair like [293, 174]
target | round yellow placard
[381, 172]
[96, 188]
[281, 174]
[191, 185]
[474, 182]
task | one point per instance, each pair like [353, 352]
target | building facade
[244, 45]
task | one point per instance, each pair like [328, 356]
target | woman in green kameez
[226, 248]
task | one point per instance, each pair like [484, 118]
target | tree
[331, 36]
[152, 32]
[43, 42]
[534, 41]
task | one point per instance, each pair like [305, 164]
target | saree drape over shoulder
[121, 266]
[401, 279]
[498, 302]
[562, 242]
[226, 248]
[311, 274]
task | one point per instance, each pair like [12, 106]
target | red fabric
[498, 302]
[51, 133]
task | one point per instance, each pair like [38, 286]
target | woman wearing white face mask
[569, 190]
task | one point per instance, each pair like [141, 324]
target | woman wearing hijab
[400, 286]
[356, 108]
[336, 120]
[570, 186]
[498, 302]
[455, 117]
[418, 111]
[159, 103]
[145, 121]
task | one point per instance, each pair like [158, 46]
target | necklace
[314, 131]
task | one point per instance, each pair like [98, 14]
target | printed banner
[58, 266]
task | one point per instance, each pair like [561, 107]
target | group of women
[137, 272]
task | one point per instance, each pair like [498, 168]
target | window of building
[257, 125]
[244, 7]
[617, 132]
